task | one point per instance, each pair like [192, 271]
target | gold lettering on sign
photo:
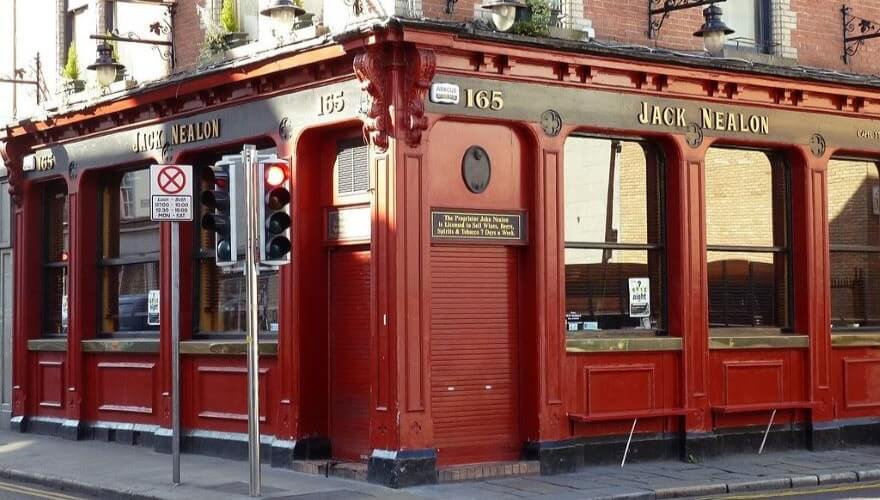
[333, 102]
[477, 226]
[722, 121]
[195, 132]
[868, 134]
[484, 99]
[662, 115]
[44, 162]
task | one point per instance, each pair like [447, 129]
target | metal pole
[249, 154]
[628, 441]
[767, 432]
[175, 352]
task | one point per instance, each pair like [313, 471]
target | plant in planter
[215, 44]
[536, 22]
[229, 23]
[70, 73]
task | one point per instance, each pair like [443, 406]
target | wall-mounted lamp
[713, 31]
[505, 12]
[868, 30]
[104, 66]
[283, 13]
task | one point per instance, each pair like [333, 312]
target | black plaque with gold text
[477, 226]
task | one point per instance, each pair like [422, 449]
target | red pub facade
[504, 249]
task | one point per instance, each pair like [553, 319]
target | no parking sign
[171, 193]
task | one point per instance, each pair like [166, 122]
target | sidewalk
[109, 470]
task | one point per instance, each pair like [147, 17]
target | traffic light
[273, 203]
[222, 202]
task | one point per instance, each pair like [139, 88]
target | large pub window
[854, 230]
[747, 235]
[220, 294]
[614, 243]
[129, 263]
[55, 254]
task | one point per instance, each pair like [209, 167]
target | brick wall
[188, 34]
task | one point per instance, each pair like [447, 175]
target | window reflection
[854, 231]
[613, 242]
[747, 240]
[130, 255]
[55, 276]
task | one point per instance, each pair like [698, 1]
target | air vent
[352, 167]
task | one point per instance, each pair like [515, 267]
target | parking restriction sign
[171, 193]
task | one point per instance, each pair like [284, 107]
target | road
[862, 491]
[12, 490]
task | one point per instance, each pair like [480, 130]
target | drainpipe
[61, 39]
[15, 59]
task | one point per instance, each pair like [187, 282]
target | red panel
[861, 382]
[221, 392]
[474, 334]
[350, 353]
[121, 387]
[50, 385]
[606, 385]
[750, 382]
[126, 387]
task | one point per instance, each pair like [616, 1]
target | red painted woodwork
[121, 388]
[600, 386]
[474, 355]
[349, 307]
[214, 393]
[760, 378]
[418, 341]
[49, 382]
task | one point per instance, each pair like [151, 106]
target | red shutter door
[474, 335]
[350, 353]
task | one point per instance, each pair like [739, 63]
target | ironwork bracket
[867, 30]
[662, 8]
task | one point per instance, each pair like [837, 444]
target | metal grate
[352, 167]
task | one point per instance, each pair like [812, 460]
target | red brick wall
[817, 37]
[188, 35]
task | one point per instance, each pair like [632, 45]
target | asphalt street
[14, 490]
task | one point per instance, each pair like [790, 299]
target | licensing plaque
[487, 227]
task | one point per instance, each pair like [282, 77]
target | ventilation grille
[352, 167]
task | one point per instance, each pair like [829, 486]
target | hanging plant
[228, 19]
[71, 69]
[538, 24]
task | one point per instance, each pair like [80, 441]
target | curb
[72, 486]
[762, 485]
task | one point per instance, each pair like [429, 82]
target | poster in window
[153, 307]
[875, 195]
[64, 312]
[639, 298]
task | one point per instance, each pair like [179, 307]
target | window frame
[763, 42]
[846, 248]
[653, 157]
[776, 160]
[53, 188]
[102, 264]
[207, 256]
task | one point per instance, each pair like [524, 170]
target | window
[55, 276]
[747, 226]
[220, 295]
[614, 253]
[129, 263]
[854, 231]
[80, 25]
[751, 21]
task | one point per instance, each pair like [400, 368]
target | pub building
[505, 249]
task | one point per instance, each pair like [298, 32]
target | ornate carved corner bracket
[370, 72]
[422, 66]
[15, 175]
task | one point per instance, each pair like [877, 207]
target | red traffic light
[275, 174]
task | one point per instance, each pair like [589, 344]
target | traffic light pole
[251, 270]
